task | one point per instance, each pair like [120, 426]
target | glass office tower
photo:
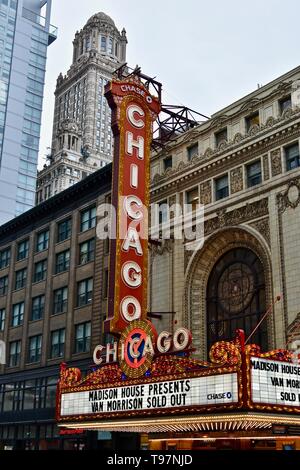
[25, 34]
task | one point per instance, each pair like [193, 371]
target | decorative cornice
[236, 216]
[255, 147]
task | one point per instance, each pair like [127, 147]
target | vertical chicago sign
[133, 112]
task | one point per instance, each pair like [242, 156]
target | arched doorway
[236, 297]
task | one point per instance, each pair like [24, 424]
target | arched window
[236, 298]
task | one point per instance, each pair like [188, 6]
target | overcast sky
[207, 54]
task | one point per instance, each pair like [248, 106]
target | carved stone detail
[266, 167]
[270, 121]
[276, 162]
[164, 246]
[205, 193]
[254, 129]
[236, 179]
[237, 216]
[290, 197]
[263, 227]
[237, 138]
[208, 152]
[187, 257]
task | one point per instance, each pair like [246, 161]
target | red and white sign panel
[133, 113]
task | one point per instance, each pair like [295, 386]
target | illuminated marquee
[133, 113]
[237, 378]
[198, 391]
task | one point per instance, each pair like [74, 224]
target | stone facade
[82, 140]
[260, 213]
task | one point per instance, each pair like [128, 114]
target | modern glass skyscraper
[25, 34]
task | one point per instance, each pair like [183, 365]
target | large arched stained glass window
[236, 297]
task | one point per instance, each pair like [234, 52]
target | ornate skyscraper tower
[82, 139]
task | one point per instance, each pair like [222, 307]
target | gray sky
[207, 54]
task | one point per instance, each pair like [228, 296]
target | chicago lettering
[180, 341]
[132, 271]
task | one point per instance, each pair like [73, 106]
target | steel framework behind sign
[173, 120]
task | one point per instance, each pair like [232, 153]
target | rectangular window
[254, 174]
[163, 215]
[252, 120]
[83, 337]
[193, 151]
[64, 230]
[84, 292]
[62, 262]
[23, 250]
[40, 271]
[17, 314]
[110, 46]
[34, 349]
[57, 343]
[14, 354]
[87, 251]
[192, 199]
[292, 157]
[103, 44]
[4, 258]
[31, 127]
[34, 100]
[2, 319]
[168, 163]
[38, 308]
[60, 300]
[3, 285]
[285, 103]
[20, 280]
[34, 86]
[222, 187]
[221, 136]
[42, 241]
[88, 219]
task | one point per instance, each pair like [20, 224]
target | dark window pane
[222, 188]
[254, 174]
[64, 230]
[292, 157]
[193, 151]
[221, 136]
[168, 163]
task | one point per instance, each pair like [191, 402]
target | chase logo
[219, 396]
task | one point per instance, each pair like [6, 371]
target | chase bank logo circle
[136, 348]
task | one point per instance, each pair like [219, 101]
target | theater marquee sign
[144, 374]
[197, 391]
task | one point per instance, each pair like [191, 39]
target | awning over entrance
[229, 423]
